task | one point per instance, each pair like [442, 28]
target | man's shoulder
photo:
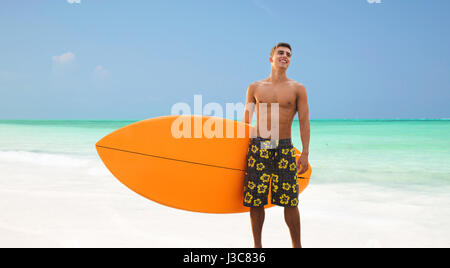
[299, 87]
[259, 83]
[253, 87]
[296, 84]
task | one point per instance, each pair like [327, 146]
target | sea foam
[44, 159]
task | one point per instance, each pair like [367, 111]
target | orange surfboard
[194, 163]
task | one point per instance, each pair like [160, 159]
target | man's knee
[290, 212]
[291, 209]
[257, 211]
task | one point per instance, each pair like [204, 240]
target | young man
[271, 163]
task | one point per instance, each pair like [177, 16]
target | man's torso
[285, 95]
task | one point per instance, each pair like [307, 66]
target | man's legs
[257, 215]
[292, 218]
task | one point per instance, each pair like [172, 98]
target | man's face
[281, 57]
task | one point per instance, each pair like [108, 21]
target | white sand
[82, 205]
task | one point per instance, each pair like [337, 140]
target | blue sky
[135, 59]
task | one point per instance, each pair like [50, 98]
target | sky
[98, 59]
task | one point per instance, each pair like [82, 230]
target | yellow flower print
[292, 167]
[294, 202]
[257, 202]
[251, 185]
[248, 198]
[283, 163]
[262, 188]
[251, 161]
[293, 153]
[275, 178]
[263, 153]
[284, 151]
[294, 188]
[265, 178]
[286, 186]
[260, 166]
[284, 199]
[274, 188]
[254, 149]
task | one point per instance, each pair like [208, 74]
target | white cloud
[64, 58]
[100, 72]
[74, 1]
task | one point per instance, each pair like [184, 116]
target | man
[271, 164]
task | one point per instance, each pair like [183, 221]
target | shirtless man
[271, 163]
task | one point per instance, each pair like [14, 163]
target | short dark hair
[280, 45]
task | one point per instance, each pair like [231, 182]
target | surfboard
[194, 163]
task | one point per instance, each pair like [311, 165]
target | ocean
[375, 183]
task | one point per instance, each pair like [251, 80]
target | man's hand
[302, 163]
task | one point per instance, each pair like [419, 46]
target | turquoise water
[407, 154]
[399, 153]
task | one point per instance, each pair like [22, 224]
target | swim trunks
[271, 167]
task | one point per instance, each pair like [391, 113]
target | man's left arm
[303, 116]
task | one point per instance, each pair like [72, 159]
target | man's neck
[277, 75]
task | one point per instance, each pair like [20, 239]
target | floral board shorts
[271, 167]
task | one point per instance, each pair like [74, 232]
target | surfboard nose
[100, 142]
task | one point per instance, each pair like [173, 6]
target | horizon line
[311, 119]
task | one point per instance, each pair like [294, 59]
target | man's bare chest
[285, 97]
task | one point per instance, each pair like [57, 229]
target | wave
[43, 159]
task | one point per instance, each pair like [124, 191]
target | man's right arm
[250, 105]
